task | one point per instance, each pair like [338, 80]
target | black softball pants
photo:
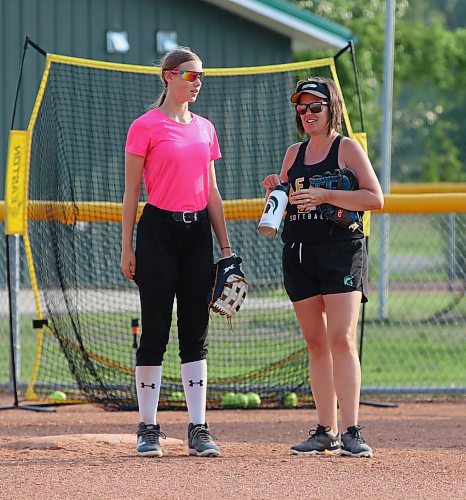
[174, 257]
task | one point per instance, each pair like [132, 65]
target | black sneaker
[353, 444]
[200, 442]
[148, 444]
[320, 442]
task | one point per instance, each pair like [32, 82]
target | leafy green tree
[441, 161]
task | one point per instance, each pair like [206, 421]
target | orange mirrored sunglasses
[189, 76]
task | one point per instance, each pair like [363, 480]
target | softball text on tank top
[312, 227]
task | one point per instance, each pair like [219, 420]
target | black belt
[186, 217]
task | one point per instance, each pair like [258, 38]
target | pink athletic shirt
[178, 156]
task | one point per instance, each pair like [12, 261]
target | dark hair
[171, 60]
[335, 106]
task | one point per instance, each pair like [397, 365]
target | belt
[186, 217]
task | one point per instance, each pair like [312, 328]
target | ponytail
[160, 99]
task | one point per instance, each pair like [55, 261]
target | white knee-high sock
[194, 377]
[148, 381]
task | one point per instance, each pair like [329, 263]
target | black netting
[78, 156]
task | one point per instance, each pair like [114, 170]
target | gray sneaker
[148, 444]
[200, 441]
[320, 442]
[353, 444]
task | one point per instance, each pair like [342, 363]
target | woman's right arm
[134, 165]
[273, 180]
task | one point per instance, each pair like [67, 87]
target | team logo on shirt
[296, 186]
[303, 213]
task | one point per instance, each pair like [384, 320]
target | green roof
[305, 29]
[308, 17]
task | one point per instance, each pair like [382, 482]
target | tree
[441, 162]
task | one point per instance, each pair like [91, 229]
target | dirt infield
[420, 453]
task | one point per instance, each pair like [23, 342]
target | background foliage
[429, 106]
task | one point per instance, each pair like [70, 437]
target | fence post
[451, 250]
[13, 243]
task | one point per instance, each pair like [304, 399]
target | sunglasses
[189, 76]
[313, 107]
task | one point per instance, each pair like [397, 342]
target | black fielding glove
[229, 287]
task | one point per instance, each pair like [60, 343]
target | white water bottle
[273, 211]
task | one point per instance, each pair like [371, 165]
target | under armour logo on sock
[152, 386]
[192, 383]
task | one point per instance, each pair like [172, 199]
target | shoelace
[321, 430]
[355, 432]
[150, 435]
[203, 434]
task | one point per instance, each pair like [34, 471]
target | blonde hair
[171, 60]
[335, 106]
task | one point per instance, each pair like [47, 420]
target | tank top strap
[299, 160]
[332, 156]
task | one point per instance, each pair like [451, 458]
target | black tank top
[311, 226]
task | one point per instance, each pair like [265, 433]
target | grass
[406, 307]
[267, 347]
[421, 235]
[416, 356]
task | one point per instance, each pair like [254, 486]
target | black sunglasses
[313, 107]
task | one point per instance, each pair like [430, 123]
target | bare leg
[313, 322]
[342, 318]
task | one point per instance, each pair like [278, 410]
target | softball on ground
[254, 400]
[241, 400]
[57, 396]
[290, 400]
[228, 400]
[176, 396]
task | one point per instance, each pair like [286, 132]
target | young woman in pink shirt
[174, 151]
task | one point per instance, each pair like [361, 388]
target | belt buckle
[187, 221]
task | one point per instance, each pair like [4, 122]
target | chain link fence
[414, 334]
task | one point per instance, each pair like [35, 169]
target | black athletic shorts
[311, 269]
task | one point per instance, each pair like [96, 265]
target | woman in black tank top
[324, 265]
